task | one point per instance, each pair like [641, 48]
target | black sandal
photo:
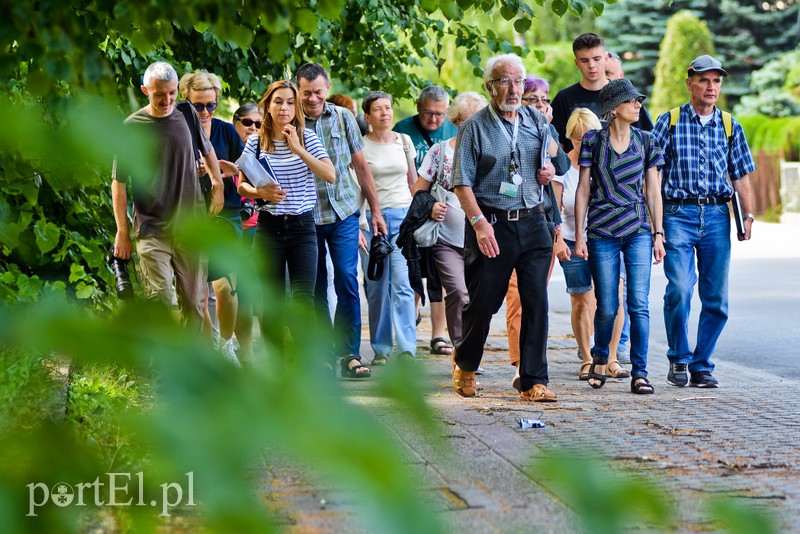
[353, 372]
[641, 386]
[439, 345]
[596, 376]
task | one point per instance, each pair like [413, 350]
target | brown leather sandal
[464, 382]
[583, 374]
[615, 370]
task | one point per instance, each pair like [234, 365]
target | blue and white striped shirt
[698, 160]
[292, 173]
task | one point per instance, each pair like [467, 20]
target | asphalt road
[763, 330]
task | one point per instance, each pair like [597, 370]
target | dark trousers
[290, 242]
[525, 245]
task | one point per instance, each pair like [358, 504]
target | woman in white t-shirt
[286, 235]
[448, 252]
[390, 298]
[577, 274]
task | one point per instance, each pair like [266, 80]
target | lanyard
[516, 178]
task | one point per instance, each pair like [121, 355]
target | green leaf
[522, 25]
[508, 12]
[559, 7]
[83, 290]
[540, 55]
[76, 272]
[47, 235]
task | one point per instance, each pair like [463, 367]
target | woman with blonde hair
[202, 90]
[286, 234]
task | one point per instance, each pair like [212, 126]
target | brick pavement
[741, 441]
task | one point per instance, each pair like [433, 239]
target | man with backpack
[172, 193]
[703, 147]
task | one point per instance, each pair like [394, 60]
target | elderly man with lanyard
[703, 146]
[499, 173]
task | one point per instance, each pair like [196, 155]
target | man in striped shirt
[700, 157]
[336, 212]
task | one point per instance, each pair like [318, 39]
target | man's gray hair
[513, 59]
[433, 93]
[161, 71]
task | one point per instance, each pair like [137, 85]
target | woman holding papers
[619, 183]
[293, 155]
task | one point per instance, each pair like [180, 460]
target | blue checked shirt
[698, 159]
[338, 200]
[483, 157]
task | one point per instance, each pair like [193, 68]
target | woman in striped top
[286, 235]
[619, 183]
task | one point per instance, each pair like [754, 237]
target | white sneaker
[229, 353]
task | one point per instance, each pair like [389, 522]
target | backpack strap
[186, 108]
[727, 122]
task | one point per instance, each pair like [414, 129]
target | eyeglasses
[633, 101]
[505, 82]
[433, 114]
[535, 100]
[210, 107]
[250, 122]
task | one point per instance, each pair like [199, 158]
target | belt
[512, 215]
[699, 201]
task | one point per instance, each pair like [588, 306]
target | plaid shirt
[698, 159]
[338, 200]
[483, 157]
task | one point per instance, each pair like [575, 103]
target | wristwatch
[475, 218]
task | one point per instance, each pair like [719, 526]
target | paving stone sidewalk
[740, 441]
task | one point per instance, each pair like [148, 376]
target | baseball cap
[705, 63]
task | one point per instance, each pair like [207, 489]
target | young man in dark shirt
[590, 58]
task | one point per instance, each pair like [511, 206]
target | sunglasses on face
[535, 100]
[250, 122]
[210, 107]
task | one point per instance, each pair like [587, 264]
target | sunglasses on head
[210, 107]
[250, 122]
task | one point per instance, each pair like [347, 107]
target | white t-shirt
[440, 157]
[389, 165]
[570, 183]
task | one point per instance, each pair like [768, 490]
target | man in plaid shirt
[700, 157]
[336, 213]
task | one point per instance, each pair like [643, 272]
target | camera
[123, 278]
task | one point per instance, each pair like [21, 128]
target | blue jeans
[341, 238]
[390, 298]
[625, 335]
[604, 260]
[701, 234]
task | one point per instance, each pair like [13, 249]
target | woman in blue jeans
[619, 183]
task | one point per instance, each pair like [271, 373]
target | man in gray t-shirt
[174, 190]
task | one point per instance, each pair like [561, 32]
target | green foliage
[745, 36]
[779, 135]
[558, 67]
[776, 87]
[27, 393]
[186, 420]
[686, 38]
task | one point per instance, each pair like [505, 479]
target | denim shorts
[576, 272]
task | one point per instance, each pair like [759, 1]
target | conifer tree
[746, 35]
[686, 38]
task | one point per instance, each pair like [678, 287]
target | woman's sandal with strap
[439, 345]
[464, 382]
[583, 373]
[615, 370]
[641, 386]
[355, 371]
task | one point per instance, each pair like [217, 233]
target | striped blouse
[292, 173]
[616, 202]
